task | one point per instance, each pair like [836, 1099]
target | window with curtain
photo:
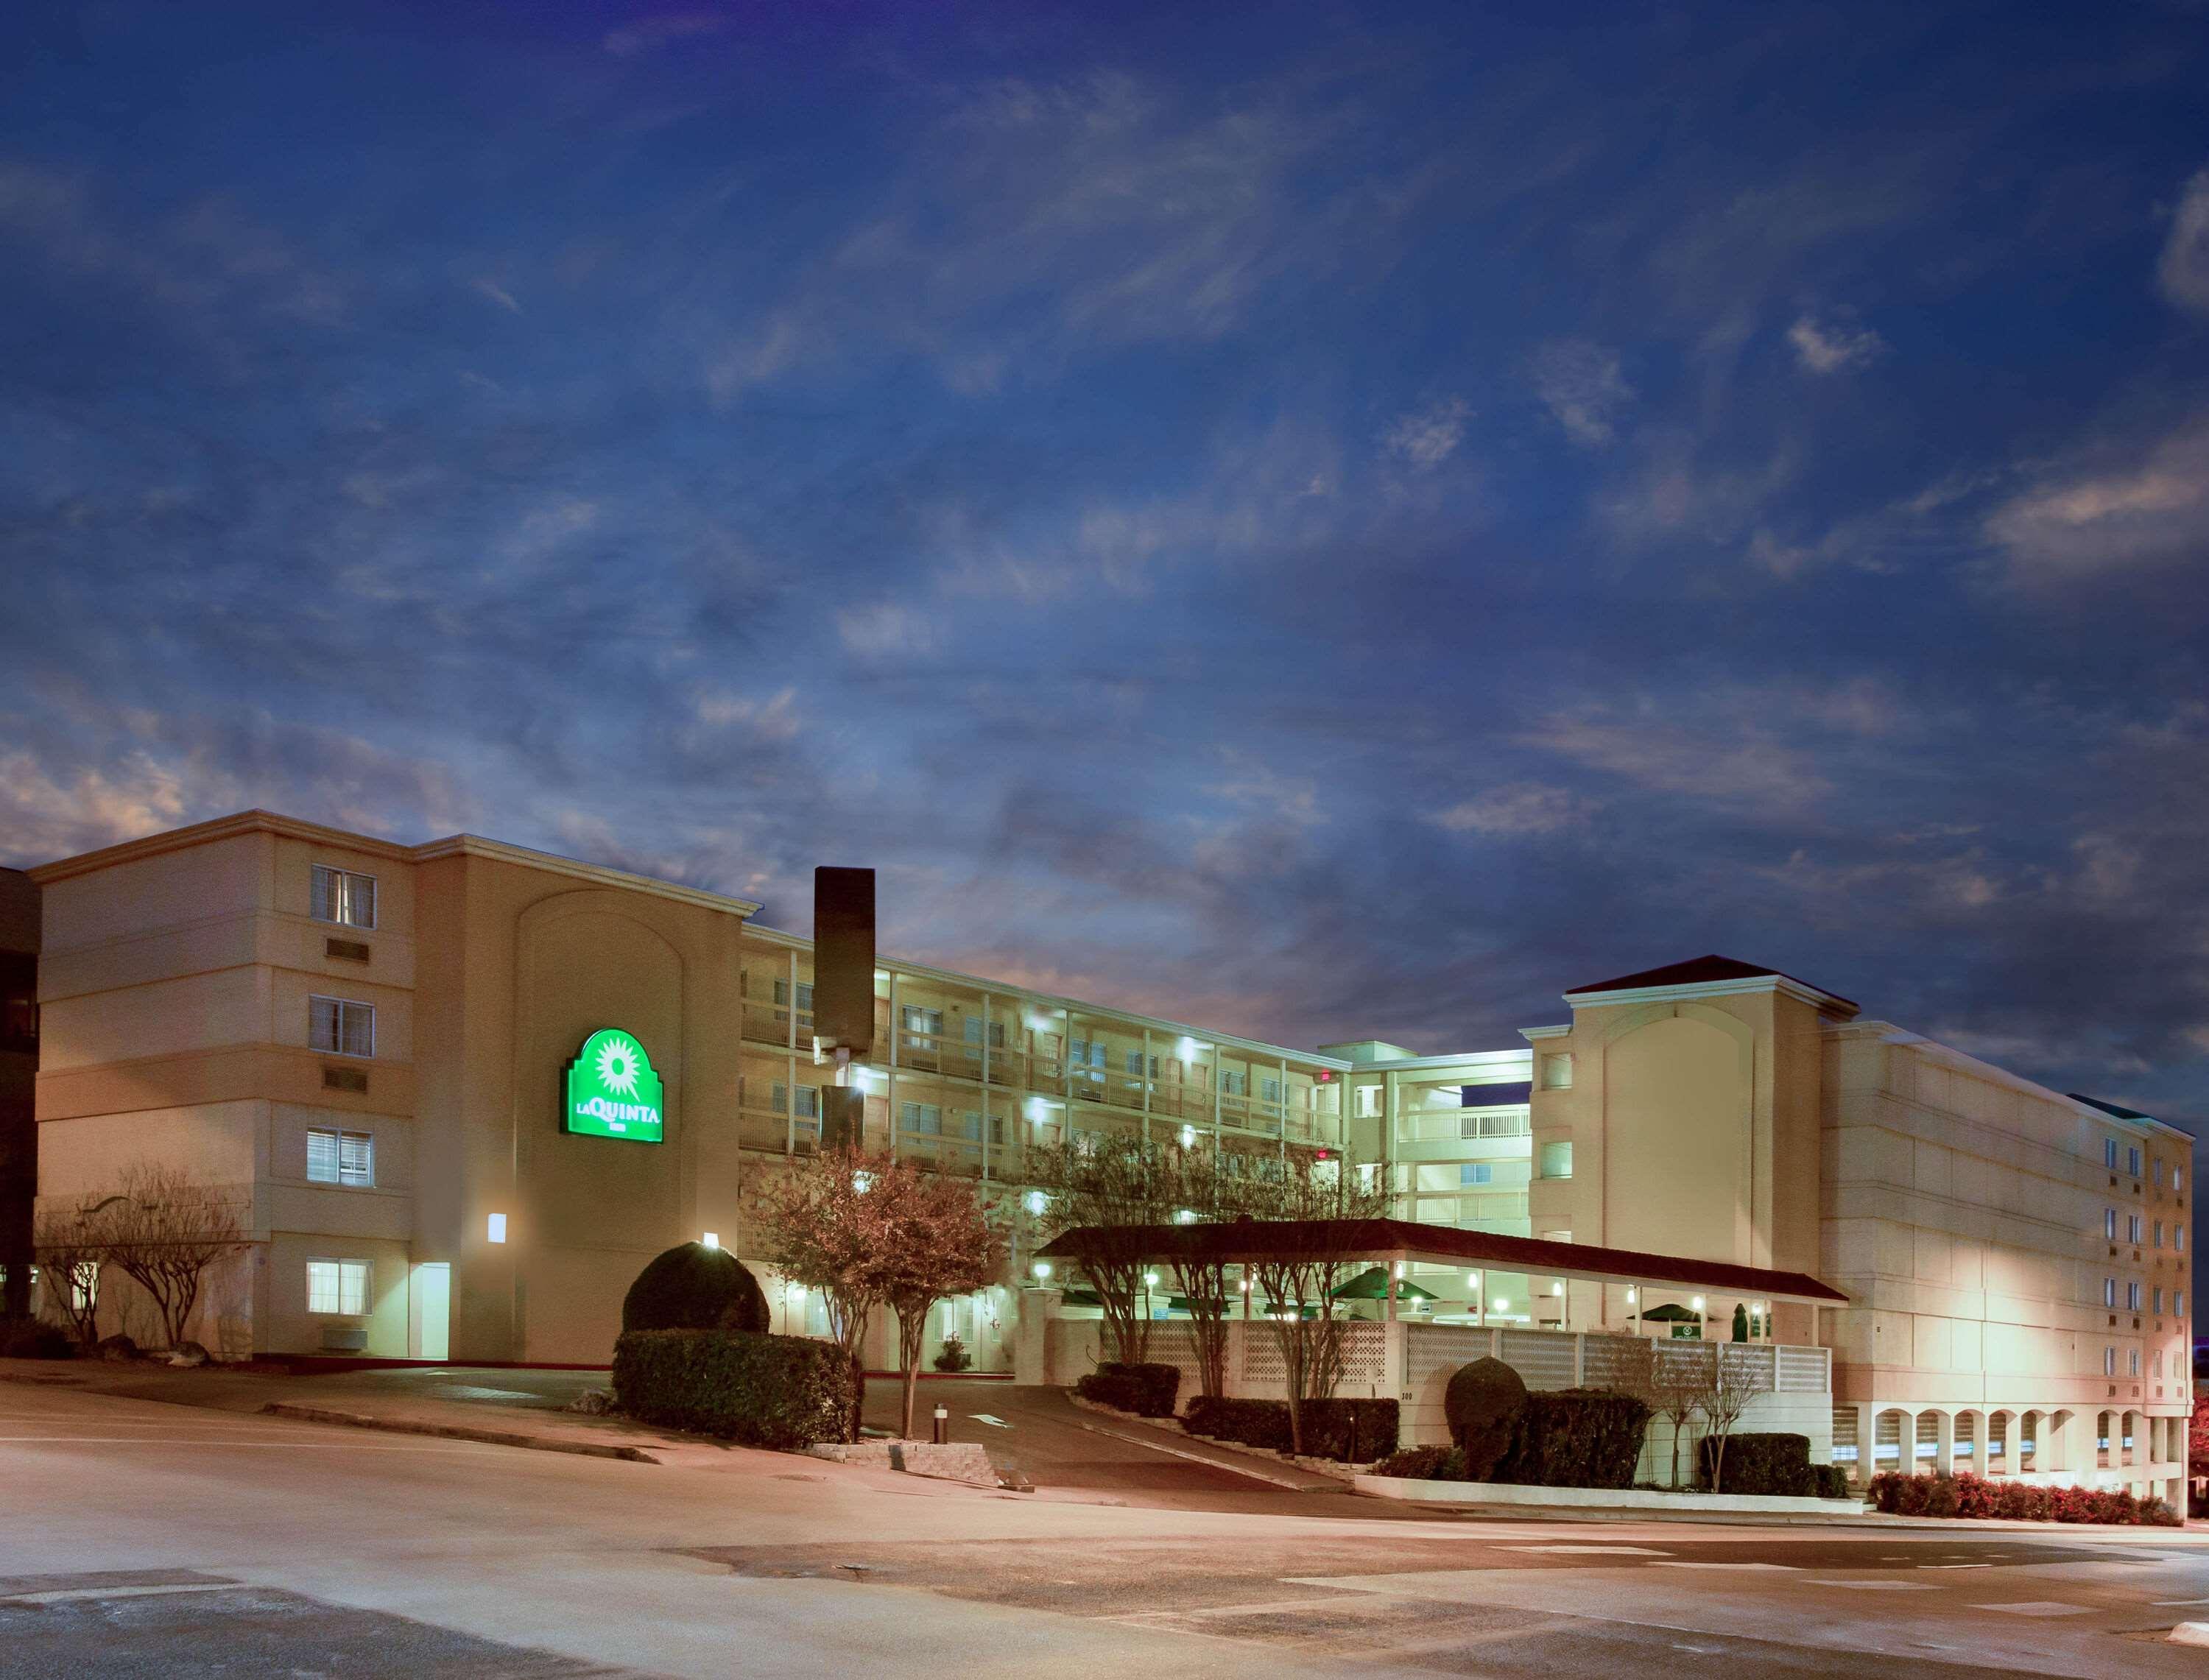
[344, 897]
[341, 1026]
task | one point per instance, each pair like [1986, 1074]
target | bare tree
[1677, 1384]
[1737, 1374]
[1098, 1194]
[69, 1252]
[164, 1231]
[1301, 1270]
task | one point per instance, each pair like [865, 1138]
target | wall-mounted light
[1473, 1282]
[1035, 1202]
[1188, 1137]
[1632, 1296]
[1185, 1051]
[1697, 1303]
[495, 1228]
[1043, 1270]
[1556, 1289]
[1150, 1279]
[711, 1239]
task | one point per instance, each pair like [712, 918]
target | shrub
[1351, 1431]
[1577, 1438]
[693, 1287]
[34, 1339]
[1483, 1403]
[117, 1347]
[1766, 1464]
[762, 1390]
[1425, 1464]
[1831, 1480]
[953, 1356]
[1148, 1391]
[1974, 1497]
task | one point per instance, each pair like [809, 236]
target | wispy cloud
[2128, 511]
[1429, 435]
[1514, 810]
[1581, 385]
[2183, 269]
[1833, 345]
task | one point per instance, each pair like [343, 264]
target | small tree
[164, 1231]
[1098, 1193]
[1735, 1377]
[1676, 1386]
[828, 1232]
[942, 1242]
[2197, 1438]
[1201, 1279]
[69, 1252]
[1301, 1272]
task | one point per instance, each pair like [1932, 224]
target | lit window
[2178, 1302]
[2109, 1223]
[84, 1285]
[340, 1157]
[2133, 1227]
[2178, 1239]
[344, 897]
[2109, 1361]
[1557, 1160]
[339, 1287]
[2132, 1298]
[339, 1027]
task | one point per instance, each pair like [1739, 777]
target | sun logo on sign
[620, 1060]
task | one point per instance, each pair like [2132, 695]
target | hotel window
[1368, 1102]
[2110, 1153]
[338, 1287]
[805, 995]
[1234, 1084]
[1557, 1073]
[2155, 1363]
[974, 1024]
[2131, 1362]
[2159, 1297]
[2108, 1292]
[923, 1027]
[339, 1027]
[2109, 1361]
[2159, 1233]
[2132, 1162]
[2109, 1223]
[921, 1118]
[2178, 1238]
[343, 897]
[1475, 1173]
[84, 1285]
[340, 1157]
[1557, 1160]
[2131, 1297]
[2178, 1302]
[1269, 1089]
[2155, 1171]
[2133, 1227]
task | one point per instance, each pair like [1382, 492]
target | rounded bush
[694, 1287]
[1482, 1404]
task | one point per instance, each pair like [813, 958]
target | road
[146, 1539]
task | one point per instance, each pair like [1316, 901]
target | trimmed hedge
[693, 1287]
[760, 1390]
[1351, 1431]
[1148, 1391]
[1965, 1494]
[34, 1339]
[1761, 1463]
[1575, 1438]
[1425, 1464]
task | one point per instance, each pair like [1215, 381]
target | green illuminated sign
[612, 1090]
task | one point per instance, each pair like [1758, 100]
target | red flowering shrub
[1974, 1497]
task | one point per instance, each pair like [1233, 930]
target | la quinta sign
[611, 1090]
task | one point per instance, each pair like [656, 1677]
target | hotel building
[464, 1091]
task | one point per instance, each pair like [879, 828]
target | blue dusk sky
[1317, 521]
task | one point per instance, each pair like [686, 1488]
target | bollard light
[942, 1425]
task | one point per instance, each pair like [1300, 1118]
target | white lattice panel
[1440, 1347]
[1613, 1362]
[1543, 1358]
[1365, 1356]
[1805, 1371]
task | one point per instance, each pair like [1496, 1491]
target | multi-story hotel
[465, 1090]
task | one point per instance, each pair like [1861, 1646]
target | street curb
[317, 1414]
[1252, 1471]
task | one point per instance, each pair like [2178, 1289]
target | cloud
[1429, 437]
[2119, 516]
[1580, 384]
[886, 629]
[1737, 758]
[46, 813]
[1834, 346]
[2183, 269]
[497, 294]
[1514, 809]
[774, 719]
[649, 34]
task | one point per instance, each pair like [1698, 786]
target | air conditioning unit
[344, 1338]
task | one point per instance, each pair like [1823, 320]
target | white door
[432, 1303]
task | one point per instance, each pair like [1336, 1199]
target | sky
[1321, 521]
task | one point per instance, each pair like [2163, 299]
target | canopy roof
[1383, 1242]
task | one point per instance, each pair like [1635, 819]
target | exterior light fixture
[711, 1239]
[1150, 1279]
[1697, 1303]
[1556, 1289]
[1185, 1051]
[495, 1228]
[1473, 1282]
[1043, 1270]
[1246, 1285]
[1502, 1303]
[1188, 1137]
[1186, 1216]
[1400, 1268]
[1036, 1202]
[1632, 1296]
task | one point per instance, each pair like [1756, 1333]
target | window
[340, 1157]
[343, 897]
[974, 1025]
[923, 1027]
[2109, 1361]
[2177, 1176]
[2109, 1223]
[921, 1118]
[338, 1287]
[1557, 1160]
[2159, 1233]
[339, 1027]
[1476, 1172]
[2159, 1297]
[2132, 1227]
[2155, 1168]
[1269, 1089]
[84, 1285]
[2155, 1363]
[2133, 1297]
[1368, 1102]
[2132, 1363]
[2178, 1239]
[2110, 1153]
[1136, 1064]
[2132, 1162]
[2178, 1302]
[1234, 1084]
[805, 995]
[1557, 1073]
[2108, 1292]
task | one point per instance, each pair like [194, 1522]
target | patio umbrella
[1373, 1286]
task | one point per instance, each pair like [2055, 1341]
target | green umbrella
[1183, 1303]
[1081, 1297]
[1671, 1312]
[1373, 1286]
